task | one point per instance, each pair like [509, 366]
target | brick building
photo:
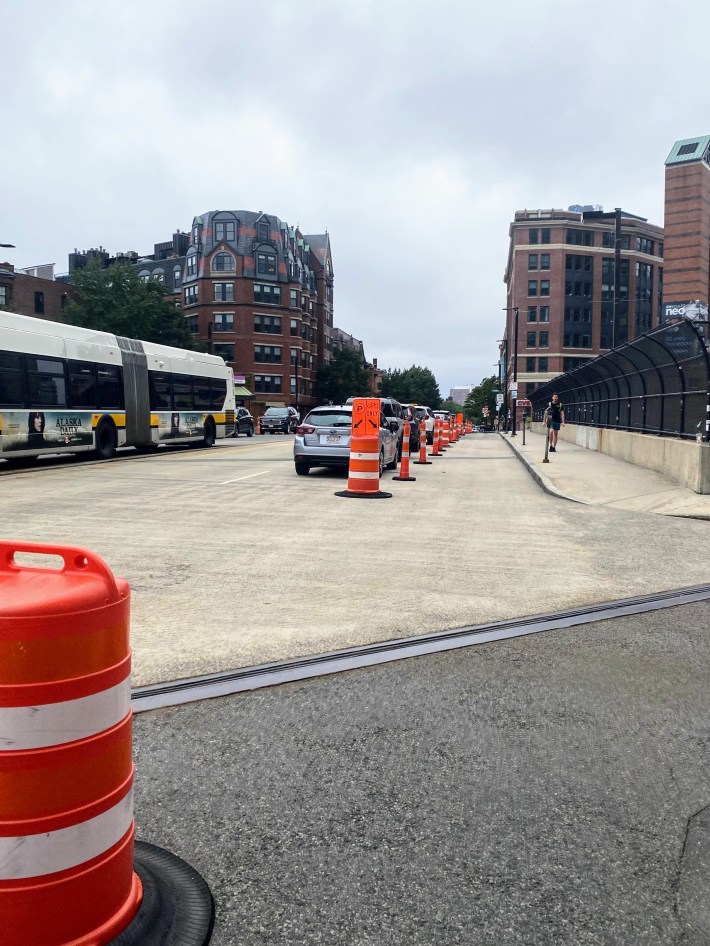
[260, 294]
[33, 292]
[687, 229]
[582, 282]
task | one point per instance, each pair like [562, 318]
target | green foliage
[453, 407]
[345, 376]
[116, 300]
[412, 386]
[483, 393]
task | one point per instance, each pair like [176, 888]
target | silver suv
[323, 439]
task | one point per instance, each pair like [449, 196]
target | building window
[177, 276]
[294, 356]
[224, 321]
[544, 287]
[192, 326]
[532, 261]
[542, 364]
[263, 232]
[224, 292]
[545, 235]
[223, 263]
[644, 245]
[267, 383]
[544, 261]
[533, 235]
[267, 353]
[294, 390]
[190, 295]
[224, 350]
[159, 275]
[532, 287]
[293, 298]
[543, 339]
[265, 264]
[267, 324]
[544, 313]
[609, 240]
[271, 295]
[294, 326]
[39, 303]
[532, 313]
[532, 340]
[530, 365]
[3, 295]
[225, 231]
[191, 266]
[580, 237]
[144, 275]
[577, 340]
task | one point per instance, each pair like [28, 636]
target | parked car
[393, 411]
[243, 423]
[278, 420]
[426, 414]
[410, 413]
[323, 439]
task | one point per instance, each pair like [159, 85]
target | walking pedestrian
[554, 417]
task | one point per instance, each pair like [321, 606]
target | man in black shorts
[554, 418]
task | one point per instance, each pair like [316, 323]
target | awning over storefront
[241, 391]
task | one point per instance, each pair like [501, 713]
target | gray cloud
[411, 131]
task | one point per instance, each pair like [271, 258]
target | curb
[541, 480]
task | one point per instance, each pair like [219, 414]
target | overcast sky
[411, 131]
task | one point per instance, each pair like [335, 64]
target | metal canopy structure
[659, 383]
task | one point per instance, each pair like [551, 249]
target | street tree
[115, 299]
[483, 394]
[345, 376]
[413, 385]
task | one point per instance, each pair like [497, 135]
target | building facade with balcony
[582, 281]
[260, 294]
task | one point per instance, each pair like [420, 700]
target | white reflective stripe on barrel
[363, 476]
[35, 855]
[52, 724]
[365, 456]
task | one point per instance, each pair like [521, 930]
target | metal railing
[657, 384]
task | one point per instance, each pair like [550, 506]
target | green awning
[241, 391]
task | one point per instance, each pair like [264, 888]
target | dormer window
[177, 275]
[223, 263]
[263, 233]
[266, 264]
[225, 230]
[191, 265]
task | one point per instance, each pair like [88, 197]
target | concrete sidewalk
[586, 476]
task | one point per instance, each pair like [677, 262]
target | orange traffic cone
[404, 466]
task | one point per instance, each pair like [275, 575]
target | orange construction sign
[366, 417]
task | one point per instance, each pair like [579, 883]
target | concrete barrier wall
[685, 461]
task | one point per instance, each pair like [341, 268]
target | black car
[243, 423]
[410, 414]
[278, 420]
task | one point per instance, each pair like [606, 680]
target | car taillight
[305, 429]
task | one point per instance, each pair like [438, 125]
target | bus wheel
[105, 440]
[210, 435]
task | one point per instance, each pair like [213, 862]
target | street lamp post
[514, 400]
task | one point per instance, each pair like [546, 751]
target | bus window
[82, 384]
[110, 392]
[182, 393]
[203, 394]
[45, 382]
[160, 395]
[12, 380]
[219, 393]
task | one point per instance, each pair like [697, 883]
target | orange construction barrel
[66, 768]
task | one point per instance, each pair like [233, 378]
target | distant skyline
[410, 132]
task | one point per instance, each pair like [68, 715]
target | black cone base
[405, 479]
[378, 495]
[177, 907]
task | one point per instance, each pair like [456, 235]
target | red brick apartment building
[686, 287]
[582, 281]
[260, 294]
[33, 292]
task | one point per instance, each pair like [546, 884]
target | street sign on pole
[513, 390]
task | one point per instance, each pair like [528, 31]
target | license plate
[332, 438]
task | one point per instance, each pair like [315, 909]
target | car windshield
[330, 419]
[276, 411]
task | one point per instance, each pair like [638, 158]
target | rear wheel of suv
[302, 469]
[250, 430]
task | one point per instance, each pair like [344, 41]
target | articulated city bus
[70, 389]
